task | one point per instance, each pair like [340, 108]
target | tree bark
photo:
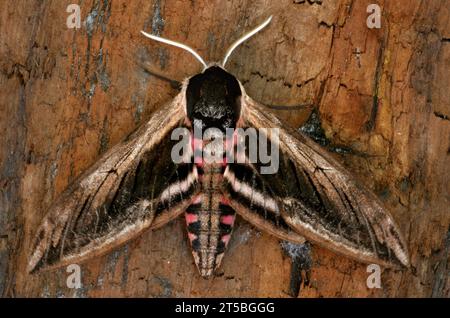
[67, 95]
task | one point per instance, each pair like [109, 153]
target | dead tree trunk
[67, 95]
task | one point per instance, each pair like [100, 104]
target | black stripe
[220, 248]
[183, 171]
[122, 196]
[225, 229]
[246, 174]
[194, 227]
[194, 208]
[196, 245]
[225, 209]
[200, 170]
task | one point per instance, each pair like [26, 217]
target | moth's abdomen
[209, 220]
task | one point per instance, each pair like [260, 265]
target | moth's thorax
[213, 99]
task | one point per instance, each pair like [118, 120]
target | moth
[137, 186]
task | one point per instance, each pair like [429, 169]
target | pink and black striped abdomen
[209, 220]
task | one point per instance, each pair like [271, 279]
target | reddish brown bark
[68, 95]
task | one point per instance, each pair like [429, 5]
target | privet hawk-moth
[137, 186]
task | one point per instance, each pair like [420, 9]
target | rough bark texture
[68, 95]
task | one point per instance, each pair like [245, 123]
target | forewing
[320, 200]
[133, 187]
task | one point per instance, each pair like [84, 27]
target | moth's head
[213, 96]
[213, 99]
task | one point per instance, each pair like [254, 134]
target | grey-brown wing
[125, 192]
[318, 198]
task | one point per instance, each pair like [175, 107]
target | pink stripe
[191, 218]
[198, 160]
[197, 199]
[226, 238]
[227, 219]
[191, 236]
[196, 143]
[225, 201]
[229, 143]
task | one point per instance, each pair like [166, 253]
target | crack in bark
[98, 17]
[280, 79]
[310, 2]
[441, 116]
[442, 270]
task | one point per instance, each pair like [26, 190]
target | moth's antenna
[177, 44]
[244, 38]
